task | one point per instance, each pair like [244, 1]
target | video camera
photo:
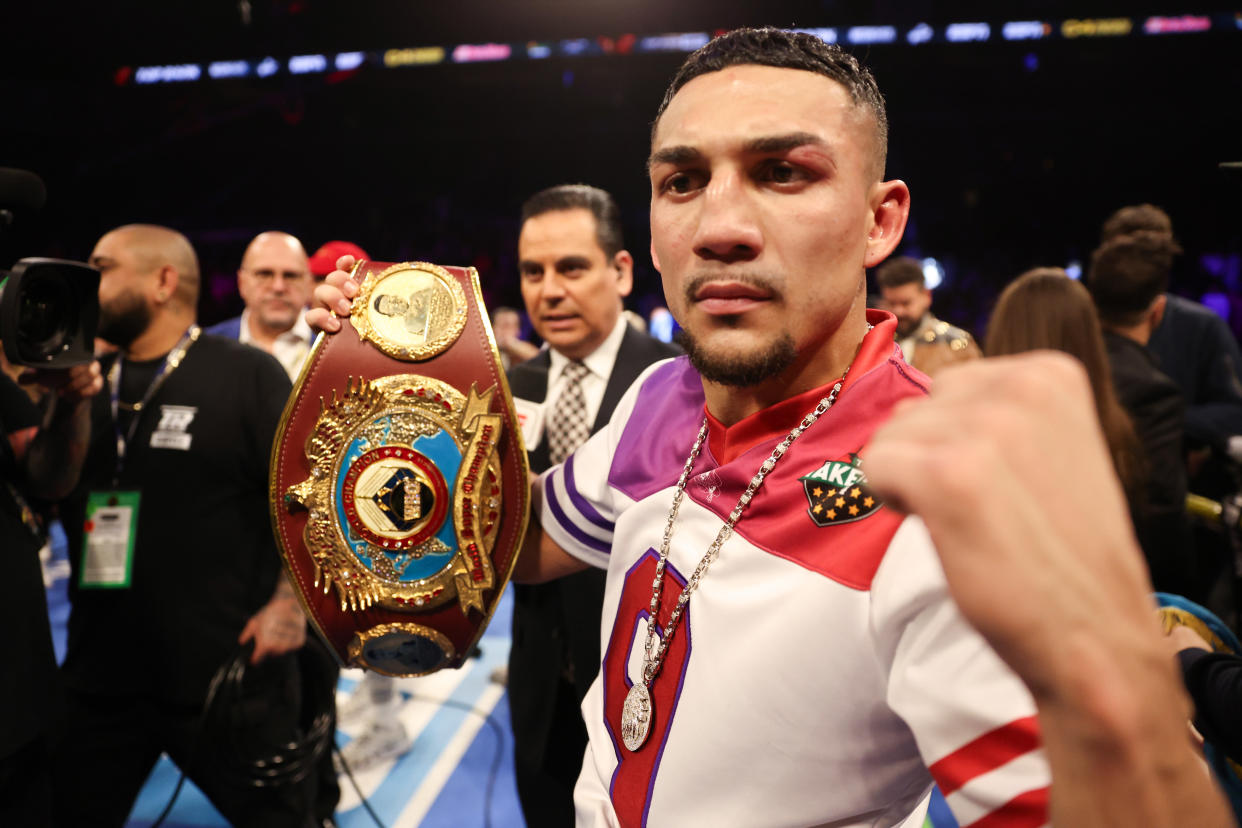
[49, 308]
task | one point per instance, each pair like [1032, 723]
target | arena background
[1014, 150]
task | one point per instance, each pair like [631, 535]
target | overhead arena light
[865, 35]
[481, 52]
[967, 32]
[346, 61]
[673, 42]
[933, 273]
[307, 64]
[826, 35]
[228, 69]
[1102, 27]
[1185, 24]
[168, 74]
[920, 34]
[413, 57]
[1025, 30]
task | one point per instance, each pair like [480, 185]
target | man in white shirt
[575, 273]
[275, 283]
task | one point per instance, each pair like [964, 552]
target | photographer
[38, 461]
[173, 560]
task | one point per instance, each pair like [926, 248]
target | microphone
[21, 190]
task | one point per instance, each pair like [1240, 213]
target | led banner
[916, 34]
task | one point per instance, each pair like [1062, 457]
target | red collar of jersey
[727, 443]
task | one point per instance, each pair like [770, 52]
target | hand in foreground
[278, 628]
[333, 297]
[72, 385]
[1006, 464]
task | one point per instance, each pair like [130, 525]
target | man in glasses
[275, 282]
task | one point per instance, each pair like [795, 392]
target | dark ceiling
[1014, 152]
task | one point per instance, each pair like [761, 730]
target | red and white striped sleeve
[971, 716]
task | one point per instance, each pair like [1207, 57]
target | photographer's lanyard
[111, 526]
[171, 361]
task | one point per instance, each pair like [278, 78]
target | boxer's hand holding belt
[399, 479]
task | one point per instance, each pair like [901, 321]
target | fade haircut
[598, 202]
[1136, 218]
[899, 271]
[788, 50]
[1128, 273]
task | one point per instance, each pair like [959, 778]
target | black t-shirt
[136, 379]
[204, 557]
[28, 677]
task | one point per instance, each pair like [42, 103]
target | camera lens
[49, 311]
[48, 315]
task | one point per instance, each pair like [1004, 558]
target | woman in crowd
[1045, 309]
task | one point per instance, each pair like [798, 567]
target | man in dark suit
[1191, 344]
[1127, 281]
[575, 273]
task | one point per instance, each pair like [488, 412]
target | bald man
[174, 568]
[275, 282]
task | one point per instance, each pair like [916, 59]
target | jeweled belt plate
[399, 479]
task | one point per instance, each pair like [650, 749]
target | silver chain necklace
[636, 713]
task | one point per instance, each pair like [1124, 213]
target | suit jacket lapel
[624, 371]
[529, 381]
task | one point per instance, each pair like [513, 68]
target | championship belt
[399, 485]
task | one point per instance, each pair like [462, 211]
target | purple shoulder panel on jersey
[660, 431]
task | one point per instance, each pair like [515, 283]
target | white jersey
[820, 675]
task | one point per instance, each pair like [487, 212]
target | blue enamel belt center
[393, 503]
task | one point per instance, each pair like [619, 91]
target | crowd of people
[798, 568]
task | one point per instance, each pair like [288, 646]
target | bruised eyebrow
[783, 143]
[681, 155]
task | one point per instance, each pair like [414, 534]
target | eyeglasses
[269, 275]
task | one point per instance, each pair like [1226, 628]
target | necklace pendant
[636, 717]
